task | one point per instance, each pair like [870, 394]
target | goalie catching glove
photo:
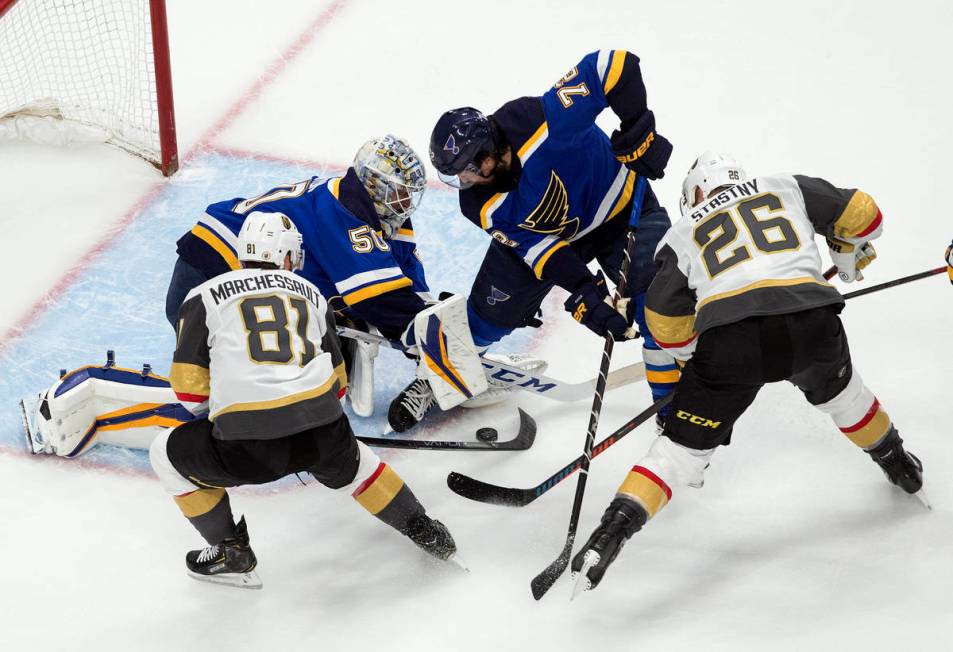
[591, 305]
[850, 258]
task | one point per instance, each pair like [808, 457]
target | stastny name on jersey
[745, 189]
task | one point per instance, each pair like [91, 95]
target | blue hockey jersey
[566, 182]
[347, 257]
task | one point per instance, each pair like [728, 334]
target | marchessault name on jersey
[263, 281]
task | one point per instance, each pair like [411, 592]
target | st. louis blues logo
[551, 215]
[451, 146]
[496, 296]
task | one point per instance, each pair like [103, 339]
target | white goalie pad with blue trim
[448, 356]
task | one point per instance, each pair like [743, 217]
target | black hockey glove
[639, 147]
[589, 305]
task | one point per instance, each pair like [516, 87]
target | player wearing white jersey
[740, 299]
[257, 360]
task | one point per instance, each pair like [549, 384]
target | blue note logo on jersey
[550, 215]
[451, 146]
[496, 296]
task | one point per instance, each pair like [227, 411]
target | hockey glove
[949, 262]
[639, 147]
[850, 258]
[590, 305]
[623, 518]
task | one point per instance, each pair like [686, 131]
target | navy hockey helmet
[460, 137]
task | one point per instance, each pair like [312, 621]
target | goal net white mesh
[80, 70]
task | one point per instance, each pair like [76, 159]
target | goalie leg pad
[360, 390]
[448, 356]
[117, 406]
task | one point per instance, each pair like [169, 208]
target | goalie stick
[551, 388]
[523, 440]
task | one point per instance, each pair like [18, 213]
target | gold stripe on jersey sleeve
[484, 212]
[532, 140]
[858, 216]
[624, 197]
[216, 243]
[615, 70]
[669, 330]
[375, 290]
[341, 374]
[200, 501]
[290, 399]
[334, 185]
[405, 232]
[187, 378]
[768, 283]
[538, 267]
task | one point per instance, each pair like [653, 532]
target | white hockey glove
[851, 258]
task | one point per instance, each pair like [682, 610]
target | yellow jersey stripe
[375, 290]
[190, 378]
[532, 140]
[615, 70]
[407, 232]
[625, 196]
[541, 261]
[768, 283]
[216, 243]
[484, 212]
[334, 185]
[324, 388]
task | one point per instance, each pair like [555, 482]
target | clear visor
[463, 179]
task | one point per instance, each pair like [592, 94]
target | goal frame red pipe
[161, 61]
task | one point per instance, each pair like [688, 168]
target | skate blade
[583, 583]
[922, 497]
[249, 580]
[458, 561]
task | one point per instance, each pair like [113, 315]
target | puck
[487, 434]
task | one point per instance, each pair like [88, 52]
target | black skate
[231, 561]
[622, 519]
[432, 536]
[901, 467]
[411, 405]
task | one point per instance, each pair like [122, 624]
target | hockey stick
[523, 440]
[485, 492]
[545, 580]
[896, 281]
[543, 385]
[493, 494]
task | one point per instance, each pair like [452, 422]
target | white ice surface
[796, 541]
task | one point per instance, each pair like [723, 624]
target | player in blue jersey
[358, 243]
[555, 192]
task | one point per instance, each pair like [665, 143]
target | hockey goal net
[88, 70]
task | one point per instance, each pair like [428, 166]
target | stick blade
[483, 492]
[545, 580]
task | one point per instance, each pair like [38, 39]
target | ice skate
[411, 405]
[231, 561]
[433, 537]
[901, 467]
[622, 519]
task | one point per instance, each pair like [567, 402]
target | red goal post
[89, 71]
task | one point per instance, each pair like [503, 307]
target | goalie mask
[711, 170]
[268, 238]
[393, 176]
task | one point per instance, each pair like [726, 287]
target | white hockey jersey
[258, 346]
[749, 251]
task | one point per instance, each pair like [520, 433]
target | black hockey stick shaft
[895, 282]
[484, 492]
[545, 580]
[523, 440]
